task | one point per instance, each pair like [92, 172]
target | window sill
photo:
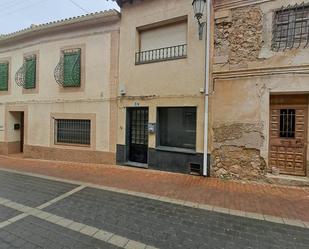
[77, 86]
[73, 145]
[176, 150]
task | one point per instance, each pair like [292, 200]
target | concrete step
[288, 180]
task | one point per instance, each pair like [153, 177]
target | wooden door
[288, 138]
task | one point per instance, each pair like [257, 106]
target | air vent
[195, 169]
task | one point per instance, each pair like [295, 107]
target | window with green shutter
[4, 76]
[72, 68]
[30, 74]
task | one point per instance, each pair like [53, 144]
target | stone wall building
[259, 110]
[58, 89]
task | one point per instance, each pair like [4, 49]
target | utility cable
[80, 7]
[12, 3]
[26, 7]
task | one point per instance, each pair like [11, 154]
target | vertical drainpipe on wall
[207, 81]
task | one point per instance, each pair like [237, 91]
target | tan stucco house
[58, 87]
[161, 85]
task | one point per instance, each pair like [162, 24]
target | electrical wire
[11, 3]
[25, 7]
[80, 7]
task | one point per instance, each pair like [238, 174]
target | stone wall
[238, 163]
[238, 36]
[236, 153]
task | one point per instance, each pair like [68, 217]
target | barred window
[287, 123]
[291, 27]
[72, 131]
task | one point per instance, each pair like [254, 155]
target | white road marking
[90, 231]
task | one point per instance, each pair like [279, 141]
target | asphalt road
[40, 213]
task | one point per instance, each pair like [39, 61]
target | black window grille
[72, 131]
[287, 123]
[291, 27]
[161, 54]
[177, 127]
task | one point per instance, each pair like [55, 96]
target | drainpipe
[207, 81]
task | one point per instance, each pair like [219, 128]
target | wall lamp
[198, 8]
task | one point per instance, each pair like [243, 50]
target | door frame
[20, 109]
[22, 131]
[289, 106]
[128, 137]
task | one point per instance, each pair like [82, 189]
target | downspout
[207, 81]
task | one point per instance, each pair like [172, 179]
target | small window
[4, 76]
[72, 68]
[72, 131]
[287, 123]
[30, 74]
[177, 127]
[291, 28]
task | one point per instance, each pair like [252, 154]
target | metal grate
[26, 75]
[291, 27]
[73, 131]
[195, 168]
[161, 54]
[139, 126]
[287, 123]
[68, 70]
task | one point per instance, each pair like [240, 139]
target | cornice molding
[231, 4]
[59, 26]
[255, 72]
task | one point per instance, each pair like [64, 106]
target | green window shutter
[72, 69]
[4, 76]
[30, 75]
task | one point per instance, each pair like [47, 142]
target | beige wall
[169, 83]
[97, 98]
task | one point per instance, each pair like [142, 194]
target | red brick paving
[282, 201]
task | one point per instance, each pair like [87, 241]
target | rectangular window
[162, 43]
[72, 131]
[287, 123]
[4, 76]
[72, 68]
[30, 74]
[291, 27]
[177, 127]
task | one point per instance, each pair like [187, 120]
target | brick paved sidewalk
[266, 199]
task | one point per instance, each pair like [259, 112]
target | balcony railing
[161, 54]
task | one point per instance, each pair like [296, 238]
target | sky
[19, 14]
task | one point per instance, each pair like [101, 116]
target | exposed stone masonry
[238, 37]
[236, 154]
[238, 163]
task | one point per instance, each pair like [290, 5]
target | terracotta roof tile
[62, 22]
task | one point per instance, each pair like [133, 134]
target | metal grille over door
[288, 139]
[138, 147]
